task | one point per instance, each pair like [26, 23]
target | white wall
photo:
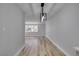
[64, 27]
[11, 29]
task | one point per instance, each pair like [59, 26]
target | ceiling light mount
[42, 4]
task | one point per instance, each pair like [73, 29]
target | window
[31, 28]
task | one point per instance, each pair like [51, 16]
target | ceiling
[32, 10]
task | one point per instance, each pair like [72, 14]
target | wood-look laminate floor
[40, 46]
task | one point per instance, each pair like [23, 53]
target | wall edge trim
[61, 49]
[18, 52]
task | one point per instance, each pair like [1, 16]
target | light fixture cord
[42, 5]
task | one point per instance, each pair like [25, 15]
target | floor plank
[40, 46]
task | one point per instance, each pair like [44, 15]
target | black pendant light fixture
[43, 16]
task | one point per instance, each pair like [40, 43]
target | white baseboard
[67, 54]
[17, 53]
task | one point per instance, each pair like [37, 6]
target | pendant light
[43, 16]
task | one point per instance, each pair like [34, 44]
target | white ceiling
[32, 10]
